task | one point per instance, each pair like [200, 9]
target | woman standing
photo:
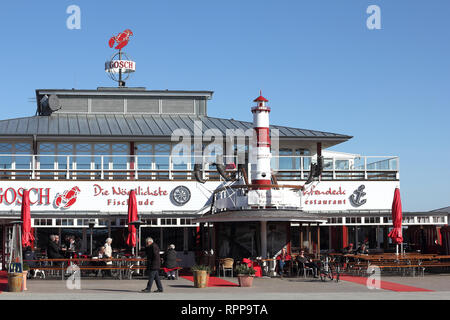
[108, 253]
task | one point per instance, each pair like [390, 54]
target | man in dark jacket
[53, 251]
[153, 265]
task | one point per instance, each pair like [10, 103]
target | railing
[168, 167]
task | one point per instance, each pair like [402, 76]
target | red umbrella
[396, 233]
[27, 235]
[132, 216]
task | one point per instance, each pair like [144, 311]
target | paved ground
[263, 289]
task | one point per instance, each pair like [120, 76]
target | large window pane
[6, 150]
[120, 162]
[286, 160]
[162, 152]
[144, 151]
[63, 150]
[83, 156]
[46, 159]
[304, 153]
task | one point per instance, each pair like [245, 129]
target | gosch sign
[126, 66]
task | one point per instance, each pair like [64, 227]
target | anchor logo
[355, 198]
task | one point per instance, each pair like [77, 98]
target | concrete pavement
[262, 289]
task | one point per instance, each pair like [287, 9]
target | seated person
[362, 249]
[170, 262]
[100, 255]
[304, 261]
[72, 247]
[28, 256]
[349, 249]
[53, 250]
[283, 259]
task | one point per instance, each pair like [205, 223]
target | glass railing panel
[382, 163]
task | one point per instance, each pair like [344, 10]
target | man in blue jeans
[153, 265]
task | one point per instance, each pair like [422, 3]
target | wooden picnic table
[369, 257]
[120, 264]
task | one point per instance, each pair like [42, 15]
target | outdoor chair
[227, 264]
[305, 269]
[287, 269]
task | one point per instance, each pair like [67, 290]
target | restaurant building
[84, 150]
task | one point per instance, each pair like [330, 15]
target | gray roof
[260, 215]
[138, 125]
[442, 210]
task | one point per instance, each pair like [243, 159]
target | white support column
[264, 239]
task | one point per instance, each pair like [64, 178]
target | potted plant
[201, 275]
[25, 270]
[245, 275]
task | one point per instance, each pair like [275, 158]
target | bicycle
[329, 269]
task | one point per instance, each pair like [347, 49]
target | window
[152, 222]
[42, 222]
[46, 158]
[341, 165]
[63, 150]
[18, 153]
[162, 152]
[372, 219]
[168, 222]
[145, 156]
[286, 161]
[423, 219]
[306, 158]
[6, 158]
[83, 153]
[327, 164]
[186, 222]
[120, 156]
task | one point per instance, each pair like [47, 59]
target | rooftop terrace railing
[168, 167]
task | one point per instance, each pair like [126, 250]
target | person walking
[153, 265]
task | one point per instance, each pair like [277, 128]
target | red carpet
[386, 285]
[3, 281]
[213, 281]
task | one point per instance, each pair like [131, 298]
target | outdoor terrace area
[168, 167]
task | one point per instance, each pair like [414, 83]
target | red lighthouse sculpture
[261, 172]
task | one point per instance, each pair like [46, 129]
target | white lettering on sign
[11, 195]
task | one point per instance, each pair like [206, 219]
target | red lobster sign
[121, 39]
[67, 199]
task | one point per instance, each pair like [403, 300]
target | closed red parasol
[27, 235]
[132, 216]
[396, 233]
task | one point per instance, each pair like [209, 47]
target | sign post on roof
[118, 68]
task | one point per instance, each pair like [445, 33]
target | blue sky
[316, 61]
